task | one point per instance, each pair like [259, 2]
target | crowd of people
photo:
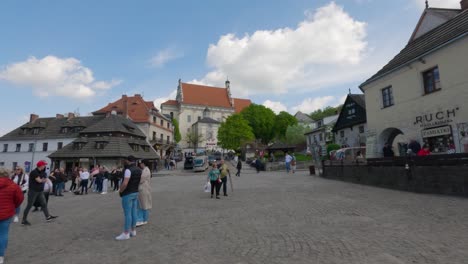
[132, 183]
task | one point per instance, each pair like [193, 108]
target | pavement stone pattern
[271, 217]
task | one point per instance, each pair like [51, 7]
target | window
[319, 123]
[154, 135]
[31, 147]
[168, 125]
[168, 139]
[64, 130]
[18, 147]
[189, 118]
[35, 131]
[5, 147]
[431, 80]
[351, 111]
[59, 145]
[44, 146]
[25, 131]
[154, 119]
[342, 133]
[78, 145]
[315, 138]
[320, 137]
[135, 147]
[199, 118]
[162, 137]
[387, 97]
[100, 145]
[172, 115]
[361, 129]
[162, 122]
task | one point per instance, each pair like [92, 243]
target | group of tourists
[290, 162]
[99, 178]
[414, 149]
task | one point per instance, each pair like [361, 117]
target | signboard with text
[436, 132]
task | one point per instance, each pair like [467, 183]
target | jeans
[130, 208]
[224, 184]
[105, 183]
[288, 166]
[84, 186]
[142, 214]
[214, 185]
[116, 184]
[4, 227]
[59, 188]
[99, 185]
[32, 197]
[73, 185]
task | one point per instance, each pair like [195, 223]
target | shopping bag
[207, 187]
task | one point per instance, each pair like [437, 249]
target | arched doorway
[388, 137]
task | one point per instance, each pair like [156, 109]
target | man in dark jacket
[37, 178]
[239, 167]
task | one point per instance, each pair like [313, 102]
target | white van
[200, 163]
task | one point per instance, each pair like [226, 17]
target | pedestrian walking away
[287, 161]
[37, 179]
[145, 201]
[224, 171]
[239, 167]
[11, 198]
[84, 177]
[129, 194]
[213, 177]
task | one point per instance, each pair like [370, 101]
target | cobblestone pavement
[270, 218]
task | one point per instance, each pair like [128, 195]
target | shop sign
[435, 132]
[436, 118]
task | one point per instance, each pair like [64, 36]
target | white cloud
[53, 76]
[277, 107]
[309, 105]
[439, 3]
[157, 102]
[327, 48]
[164, 56]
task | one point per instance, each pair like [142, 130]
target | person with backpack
[21, 179]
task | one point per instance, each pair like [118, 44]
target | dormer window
[101, 145]
[35, 131]
[25, 131]
[64, 130]
[135, 147]
[78, 145]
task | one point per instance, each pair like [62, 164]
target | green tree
[177, 136]
[282, 121]
[234, 131]
[193, 139]
[262, 120]
[295, 134]
[326, 112]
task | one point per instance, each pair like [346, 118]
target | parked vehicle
[200, 163]
[348, 154]
[188, 163]
[211, 160]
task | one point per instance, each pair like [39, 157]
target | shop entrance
[388, 137]
[439, 139]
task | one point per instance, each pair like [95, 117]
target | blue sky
[65, 56]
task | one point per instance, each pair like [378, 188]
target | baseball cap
[41, 163]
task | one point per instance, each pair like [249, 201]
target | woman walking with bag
[213, 177]
[21, 179]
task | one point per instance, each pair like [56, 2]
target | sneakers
[139, 224]
[133, 233]
[15, 219]
[50, 217]
[123, 236]
[145, 222]
[103, 192]
[25, 223]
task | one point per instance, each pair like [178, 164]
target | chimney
[138, 95]
[71, 115]
[59, 116]
[464, 5]
[32, 118]
[125, 105]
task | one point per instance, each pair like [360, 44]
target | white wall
[352, 136]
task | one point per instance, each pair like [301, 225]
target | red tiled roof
[205, 95]
[137, 108]
[170, 102]
[240, 104]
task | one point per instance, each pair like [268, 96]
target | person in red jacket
[424, 151]
[11, 197]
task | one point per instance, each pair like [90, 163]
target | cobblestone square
[271, 217]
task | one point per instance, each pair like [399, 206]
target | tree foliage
[234, 131]
[193, 139]
[262, 120]
[295, 134]
[177, 136]
[282, 121]
[326, 112]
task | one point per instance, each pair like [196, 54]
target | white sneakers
[125, 236]
[141, 223]
[103, 192]
[15, 220]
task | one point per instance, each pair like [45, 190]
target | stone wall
[449, 180]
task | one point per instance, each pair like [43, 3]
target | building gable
[352, 113]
